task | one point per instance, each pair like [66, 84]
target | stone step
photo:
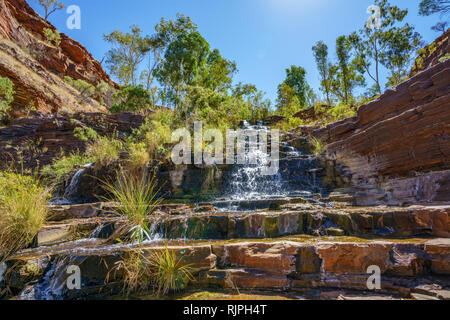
[56, 232]
[204, 222]
[405, 268]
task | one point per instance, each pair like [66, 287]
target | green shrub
[445, 57]
[85, 89]
[6, 96]
[85, 134]
[105, 150]
[52, 37]
[23, 210]
[132, 98]
[89, 91]
[138, 156]
[65, 165]
[342, 111]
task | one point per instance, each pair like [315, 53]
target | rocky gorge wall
[396, 151]
[40, 138]
[37, 68]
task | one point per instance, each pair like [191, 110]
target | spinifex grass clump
[137, 199]
[23, 210]
[169, 273]
[134, 268]
[161, 269]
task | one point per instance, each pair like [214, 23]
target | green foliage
[444, 58]
[184, 64]
[132, 98]
[139, 156]
[6, 96]
[23, 210]
[179, 58]
[296, 79]
[65, 165]
[137, 199]
[344, 77]
[52, 37]
[85, 134]
[341, 111]
[220, 72]
[50, 6]
[89, 91]
[320, 51]
[129, 50]
[318, 146]
[105, 150]
[391, 46]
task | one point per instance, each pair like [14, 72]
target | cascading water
[247, 181]
[73, 187]
[296, 175]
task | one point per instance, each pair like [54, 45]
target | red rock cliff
[397, 149]
[23, 26]
[38, 68]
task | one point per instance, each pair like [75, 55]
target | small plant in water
[169, 272]
[137, 199]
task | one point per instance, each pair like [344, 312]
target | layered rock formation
[397, 149]
[407, 269]
[41, 137]
[38, 68]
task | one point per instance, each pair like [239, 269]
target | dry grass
[23, 210]
[135, 272]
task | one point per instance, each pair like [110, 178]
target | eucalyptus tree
[128, 52]
[390, 45]
[320, 51]
[345, 76]
[50, 6]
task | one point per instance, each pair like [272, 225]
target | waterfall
[247, 181]
[298, 174]
[73, 187]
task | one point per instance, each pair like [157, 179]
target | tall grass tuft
[134, 269]
[137, 199]
[169, 273]
[23, 210]
[318, 146]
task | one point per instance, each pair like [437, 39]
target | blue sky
[264, 37]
